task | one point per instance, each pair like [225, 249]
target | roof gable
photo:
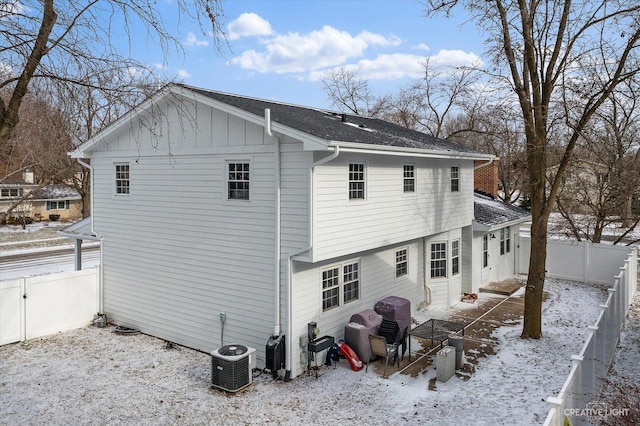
[323, 127]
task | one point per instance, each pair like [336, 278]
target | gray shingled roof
[328, 125]
[491, 212]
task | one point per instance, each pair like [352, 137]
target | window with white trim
[340, 285]
[438, 260]
[10, 193]
[238, 181]
[402, 263]
[123, 183]
[351, 282]
[58, 205]
[455, 257]
[409, 178]
[505, 240]
[330, 288]
[455, 178]
[356, 181]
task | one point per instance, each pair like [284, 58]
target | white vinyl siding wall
[378, 280]
[177, 253]
[387, 215]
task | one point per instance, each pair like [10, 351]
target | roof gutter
[409, 152]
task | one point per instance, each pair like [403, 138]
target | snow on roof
[55, 192]
[491, 212]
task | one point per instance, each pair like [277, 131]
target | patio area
[498, 304]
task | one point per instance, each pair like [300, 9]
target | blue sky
[281, 48]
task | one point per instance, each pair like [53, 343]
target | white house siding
[500, 266]
[377, 281]
[467, 261]
[387, 215]
[216, 255]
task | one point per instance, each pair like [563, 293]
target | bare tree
[70, 43]
[543, 49]
[346, 90]
[599, 189]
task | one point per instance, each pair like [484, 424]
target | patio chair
[391, 331]
[380, 347]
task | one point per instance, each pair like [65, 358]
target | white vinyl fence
[41, 305]
[577, 400]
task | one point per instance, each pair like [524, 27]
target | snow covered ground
[94, 376]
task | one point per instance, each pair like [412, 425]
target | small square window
[238, 181]
[122, 179]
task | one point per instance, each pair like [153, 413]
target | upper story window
[238, 181]
[402, 263]
[455, 257]
[409, 178]
[10, 192]
[455, 178]
[438, 260]
[505, 240]
[356, 181]
[122, 179]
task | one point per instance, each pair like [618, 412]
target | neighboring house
[13, 189]
[227, 219]
[57, 202]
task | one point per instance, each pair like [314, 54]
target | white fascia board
[479, 227]
[408, 152]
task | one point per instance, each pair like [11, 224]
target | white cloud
[400, 65]
[192, 40]
[300, 53]
[248, 25]
[183, 74]
[422, 46]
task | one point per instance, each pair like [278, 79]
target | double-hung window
[402, 265]
[505, 240]
[438, 260]
[340, 285]
[356, 181]
[409, 178]
[122, 179]
[58, 205]
[10, 192]
[455, 257]
[455, 178]
[238, 181]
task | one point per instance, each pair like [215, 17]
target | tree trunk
[532, 327]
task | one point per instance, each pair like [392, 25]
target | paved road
[28, 263]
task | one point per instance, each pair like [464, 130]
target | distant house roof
[490, 213]
[55, 192]
[322, 126]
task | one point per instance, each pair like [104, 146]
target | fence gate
[37, 306]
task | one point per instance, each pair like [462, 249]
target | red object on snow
[350, 355]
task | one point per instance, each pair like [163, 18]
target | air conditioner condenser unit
[232, 367]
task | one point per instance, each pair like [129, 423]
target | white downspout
[424, 270]
[278, 243]
[101, 270]
[289, 341]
